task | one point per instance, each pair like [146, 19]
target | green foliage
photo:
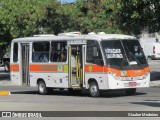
[92, 15]
[20, 18]
[23, 17]
[137, 15]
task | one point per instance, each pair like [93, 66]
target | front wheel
[130, 91]
[43, 90]
[94, 89]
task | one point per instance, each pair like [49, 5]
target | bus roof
[75, 37]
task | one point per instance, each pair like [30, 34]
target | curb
[5, 93]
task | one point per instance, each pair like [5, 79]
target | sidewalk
[155, 83]
[6, 83]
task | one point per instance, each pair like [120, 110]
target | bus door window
[73, 59]
[15, 52]
[40, 52]
[76, 65]
[59, 51]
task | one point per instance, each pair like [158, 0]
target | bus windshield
[122, 53]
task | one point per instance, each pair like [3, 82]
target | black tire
[61, 89]
[94, 89]
[130, 91]
[42, 89]
[7, 66]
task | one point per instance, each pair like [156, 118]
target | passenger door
[76, 66]
[25, 63]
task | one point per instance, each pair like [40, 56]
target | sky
[66, 1]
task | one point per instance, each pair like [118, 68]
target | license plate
[132, 83]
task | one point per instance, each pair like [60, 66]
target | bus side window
[40, 52]
[59, 51]
[93, 52]
[15, 52]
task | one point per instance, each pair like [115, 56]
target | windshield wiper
[135, 59]
[131, 54]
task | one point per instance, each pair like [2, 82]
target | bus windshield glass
[121, 53]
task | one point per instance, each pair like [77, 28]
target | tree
[137, 15]
[91, 15]
[20, 18]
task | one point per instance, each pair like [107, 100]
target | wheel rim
[93, 89]
[42, 87]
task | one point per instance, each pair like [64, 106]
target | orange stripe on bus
[139, 72]
[43, 68]
[14, 67]
[100, 69]
[94, 68]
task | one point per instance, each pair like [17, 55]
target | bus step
[75, 86]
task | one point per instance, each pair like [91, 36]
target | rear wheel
[43, 90]
[94, 89]
[130, 91]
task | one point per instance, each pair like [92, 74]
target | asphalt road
[27, 98]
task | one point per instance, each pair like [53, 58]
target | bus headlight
[146, 75]
[114, 75]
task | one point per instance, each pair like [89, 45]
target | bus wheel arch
[42, 89]
[93, 88]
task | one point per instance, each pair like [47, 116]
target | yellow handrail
[77, 66]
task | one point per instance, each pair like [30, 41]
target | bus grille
[131, 78]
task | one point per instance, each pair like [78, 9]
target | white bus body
[75, 62]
